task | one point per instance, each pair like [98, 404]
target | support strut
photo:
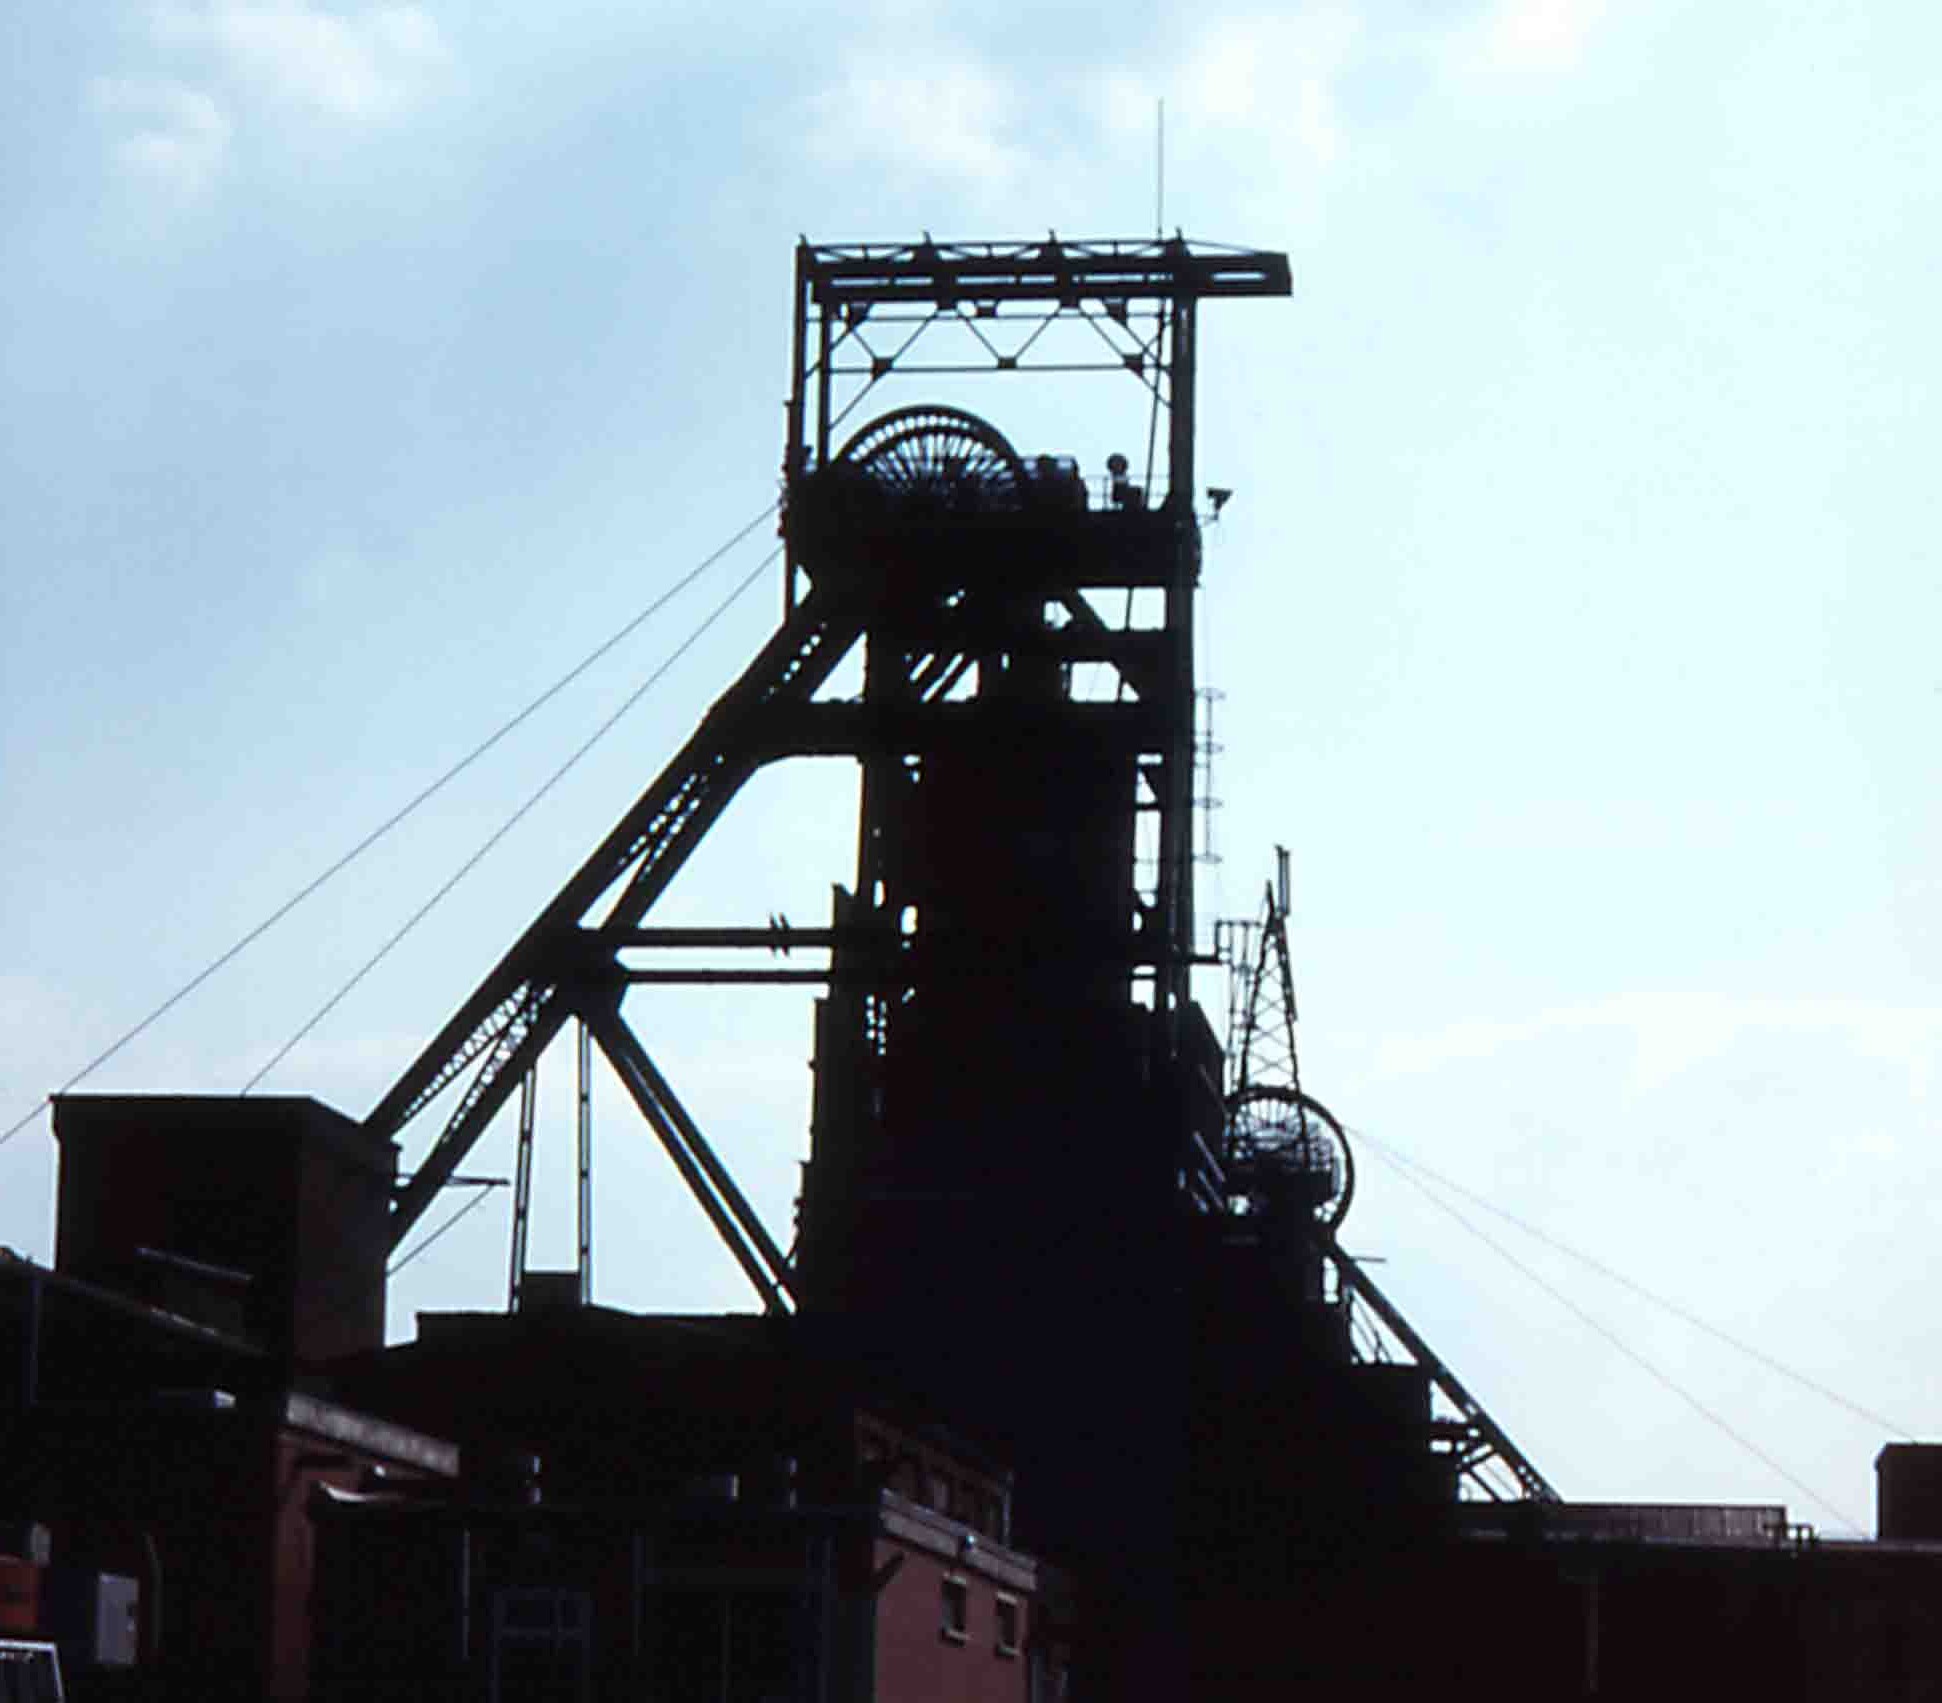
[707, 1178]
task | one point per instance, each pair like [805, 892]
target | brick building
[200, 1419]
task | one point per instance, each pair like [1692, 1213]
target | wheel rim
[1274, 1129]
[938, 457]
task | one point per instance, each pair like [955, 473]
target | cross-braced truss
[860, 313]
[577, 958]
[566, 964]
[866, 311]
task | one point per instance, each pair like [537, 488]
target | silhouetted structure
[1067, 1358]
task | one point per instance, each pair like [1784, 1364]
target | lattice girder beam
[510, 1053]
[1111, 270]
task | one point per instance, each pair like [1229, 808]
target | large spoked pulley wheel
[937, 458]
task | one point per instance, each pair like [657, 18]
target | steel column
[522, 1188]
[586, 1162]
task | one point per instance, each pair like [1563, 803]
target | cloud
[1252, 92]
[947, 120]
[342, 69]
[1534, 37]
[1274, 74]
[167, 136]
[356, 66]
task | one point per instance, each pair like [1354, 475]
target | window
[540, 1644]
[957, 1611]
[1010, 1620]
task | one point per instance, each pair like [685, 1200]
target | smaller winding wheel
[937, 458]
[1285, 1146]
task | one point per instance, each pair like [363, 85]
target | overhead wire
[486, 1186]
[1598, 1326]
[403, 1260]
[512, 821]
[1405, 1162]
[385, 827]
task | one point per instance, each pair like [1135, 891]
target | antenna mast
[1160, 167]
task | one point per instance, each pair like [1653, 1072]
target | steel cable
[512, 821]
[1597, 1325]
[386, 826]
[403, 1260]
[1405, 1162]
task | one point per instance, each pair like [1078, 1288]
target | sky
[367, 366]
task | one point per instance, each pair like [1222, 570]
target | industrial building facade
[261, 1541]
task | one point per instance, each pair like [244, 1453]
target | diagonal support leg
[685, 1148]
[719, 1175]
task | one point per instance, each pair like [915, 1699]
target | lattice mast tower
[1290, 1176]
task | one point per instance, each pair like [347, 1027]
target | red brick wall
[916, 1663]
[293, 1555]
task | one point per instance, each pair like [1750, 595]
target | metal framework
[1277, 1135]
[522, 1189]
[1261, 1010]
[864, 309]
[1020, 1124]
[964, 628]
[1488, 1463]
[1269, 1110]
[522, 1200]
[565, 964]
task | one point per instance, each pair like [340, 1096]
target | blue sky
[365, 366]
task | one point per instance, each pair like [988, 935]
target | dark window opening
[1009, 1621]
[956, 1603]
